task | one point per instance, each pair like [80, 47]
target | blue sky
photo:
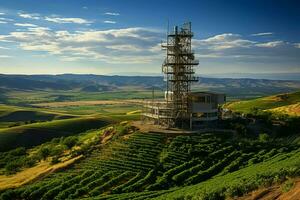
[123, 36]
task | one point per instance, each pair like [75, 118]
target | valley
[149, 100]
[89, 148]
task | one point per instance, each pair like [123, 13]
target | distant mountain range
[270, 76]
[98, 83]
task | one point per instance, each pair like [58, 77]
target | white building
[204, 106]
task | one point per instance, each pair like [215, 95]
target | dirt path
[274, 193]
[33, 173]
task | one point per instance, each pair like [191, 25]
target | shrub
[12, 167]
[20, 151]
[70, 141]
[8, 195]
[29, 161]
[44, 152]
[54, 160]
[264, 138]
[55, 140]
[288, 185]
[57, 150]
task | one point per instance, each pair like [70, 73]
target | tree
[20, 151]
[44, 152]
[55, 160]
[70, 141]
[12, 167]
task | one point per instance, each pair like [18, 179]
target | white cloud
[1, 13]
[222, 37]
[223, 41]
[234, 47]
[25, 25]
[52, 48]
[85, 7]
[62, 20]
[55, 18]
[156, 48]
[71, 58]
[109, 22]
[112, 13]
[209, 55]
[30, 15]
[141, 45]
[270, 44]
[5, 56]
[32, 34]
[128, 45]
[4, 38]
[262, 34]
[6, 19]
[297, 45]
[3, 47]
[124, 47]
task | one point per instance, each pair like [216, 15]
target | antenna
[168, 27]
[152, 95]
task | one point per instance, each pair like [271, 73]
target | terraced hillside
[283, 103]
[128, 164]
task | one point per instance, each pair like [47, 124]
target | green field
[134, 165]
[33, 97]
[107, 110]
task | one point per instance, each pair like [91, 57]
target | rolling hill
[287, 103]
[37, 133]
[121, 162]
[14, 116]
[239, 88]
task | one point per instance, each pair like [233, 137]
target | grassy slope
[293, 109]
[47, 123]
[265, 103]
[16, 115]
[33, 173]
[37, 133]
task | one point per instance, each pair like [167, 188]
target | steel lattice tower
[178, 69]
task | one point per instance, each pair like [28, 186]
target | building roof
[205, 93]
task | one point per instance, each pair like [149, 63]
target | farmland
[135, 165]
[149, 100]
[79, 144]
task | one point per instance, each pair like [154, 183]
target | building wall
[204, 106]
